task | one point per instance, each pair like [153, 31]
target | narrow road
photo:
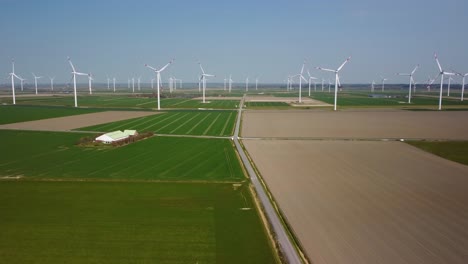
[287, 247]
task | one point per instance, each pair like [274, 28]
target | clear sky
[246, 38]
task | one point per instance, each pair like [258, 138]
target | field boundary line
[182, 102]
[212, 123]
[225, 124]
[197, 124]
[159, 121]
[173, 121]
[184, 123]
[144, 103]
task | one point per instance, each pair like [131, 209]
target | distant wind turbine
[442, 73]
[90, 79]
[203, 79]
[411, 80]
[35, 80]
[312, 78]
[463, 84]
[158, 79]
[301, 77]
[383, 82]
[448, 86]
[230, 83]
[247, 84]
[52, 83]
[372, 86]
[13, 76]
[337, 78]
[75, 73]
[113, 82]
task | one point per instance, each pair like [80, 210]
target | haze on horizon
[269, 39]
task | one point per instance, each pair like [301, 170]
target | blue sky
[245, 38]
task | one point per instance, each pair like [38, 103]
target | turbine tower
[35, 80]
[300, 81]
[230, 83]
[75, 73]
[442, 73]
[410, 81]
[90, 79]
[383, 82]
[113, 81]
[52, 83]
[247, 84]
[463, 84]
[312, 78]
[337, 78]
[372, 86]
[13, 76]
[203, 79]
[158, 79]
[448, 86]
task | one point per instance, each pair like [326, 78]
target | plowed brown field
[368, 202]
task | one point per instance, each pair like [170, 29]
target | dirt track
[267, 98]
[76, 121]
[368, 202]
[356, 124]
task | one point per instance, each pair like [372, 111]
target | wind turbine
[139, 79]
[21, 81]
[329, 84]
[13, 76]
[410, 81]
[463, 84]
[133, 84]
[230, 83]
[383, 82]
[128, 83]
[372, 86]
[108, 82]
[441, 73]
[448, 86]
[52, 83]
[90, 79]
[203, 79]
[300, 81]
[247, 84]
[337, 78]
[430, 81]
[152, 81]
[256, 83]
[312, 78]
[224, 84]
[158, 78]
[113, 82]
[35, 80]
[75, 73]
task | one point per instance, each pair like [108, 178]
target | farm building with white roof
[116, 136]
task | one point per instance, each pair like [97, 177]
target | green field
[452, 150]
[203, 122]
[16, 113]
[110, 101]
[276, 105]
[131, 222]
[54, 155]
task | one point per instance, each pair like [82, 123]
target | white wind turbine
[247, 84]
[230, 83]
[448, 86]
[35, 80]
[301, 77]
[337, 78]
[133, 84]
[463, 84]
[139, 79]
[410, 81]
[113, 82]
[441, 73]
[203, 79]
[90, 79]
[383, 82]
[372, 86]
[225, 80]
[108, 82]
[312, 78]
[323, 82]
[13, 76]
[128, 81]
[256, 83]
[158, 79]
[52, 83]
[22, 82]
[75, 73]
[152, 83]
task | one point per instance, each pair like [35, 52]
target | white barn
[116, 136]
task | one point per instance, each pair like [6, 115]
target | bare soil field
[356, 124]
[368, 202]
[294, 100]
[72, 122]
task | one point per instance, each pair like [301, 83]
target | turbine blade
[323, 69]
[437, 60]
[71, 64]
[415, 68]
[203, 71]
[165, 66]
[342, 65]
[146, 65]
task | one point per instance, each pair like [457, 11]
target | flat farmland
[16, 113]
[140, 101]
[367, 202]
[75, 121]
[356, 124]
[55, 155]
[206, 123]
[131, 222]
